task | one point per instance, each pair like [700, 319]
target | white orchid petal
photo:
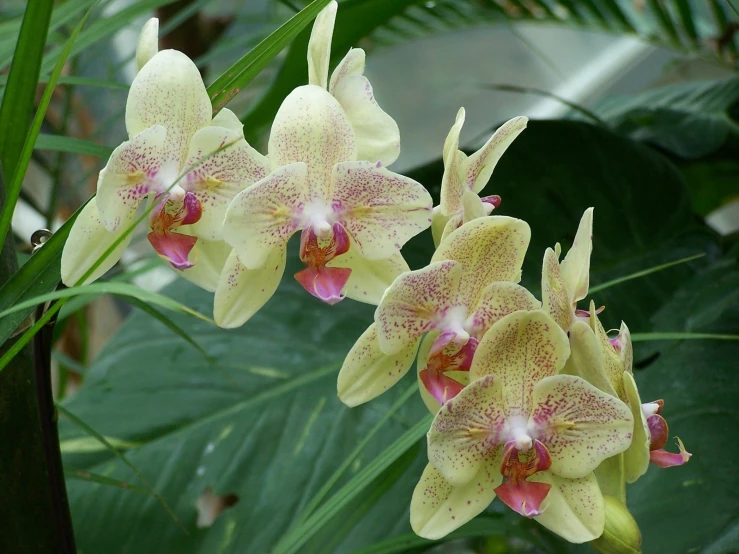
[226, 118]
[311, 127]
[438, 508]
[380, 209]
[377, 134]
[129, 176]
[467, 431]
[367, 371]
[575, 509]
[580, 425]
[452, 182]
[169, 91]
[218, 178]
[87, 241]
[489, 249]
[242, 292]
[575, 267]
[148, 44]
[411, 305]
[479, 166]
[521, 349]
[369, 279]
[263, 216]
[208, 258]
[319, 46]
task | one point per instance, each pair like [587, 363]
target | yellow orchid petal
[319, 46]
[377, 134]
[263, 217]
[221, 176]
[479, 167]
[612, 363]
[381, 210]
[626, 352]
[87, 241]
[575, 509]
[575, 268]
[586, 427]
[367, 371]
[311, 127]
[129, 176]
[554, 296]
[636, 458]
[586, 359]
[438, 508]
[413, 303]
[148, 44]
[489, 249]
[521, 349]
[467, 431]
[439, 224]
[169, 91]
[369, 279]
[497, 301]
[226, 118]
[472, 207]
[208, 258]
[452, 182]
[242, 292]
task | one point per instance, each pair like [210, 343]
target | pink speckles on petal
[173, 247]
[325, 283]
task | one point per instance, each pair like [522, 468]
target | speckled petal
[439, 224]
[586, 359]
[377, 134]
[169, 91]
[129, 175]
[311, 127]
[636, 458]
[580, 425]
[369, 278]
[497, 301]
[414, 302]
[226, 118]
[612, 363]
[217, 179]
[88, 240]
[380, 209]
[554, 296]
[467, 431]
[478, 168]
[490, 249]
[575, 267]
[148, 44]
[452, 182]
[242, 292]
[208, 258]
[625, 348]
[266, 215]
[367, 372]
[319, 46]
[575, 509]
[521, 349]
[438, 508]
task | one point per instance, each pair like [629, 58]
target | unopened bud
[621, 534]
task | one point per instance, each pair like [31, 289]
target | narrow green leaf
[302, 533]
[664, 21]
[100, 438]
[20, 92]
[24, 156]
[686, 19]
[85, 475]
[613, 7]
[244, 70]
[68, 362]
[644, 337]
[119, 289]
[643, 272]
[56, 143]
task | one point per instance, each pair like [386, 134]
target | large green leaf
[272, 432]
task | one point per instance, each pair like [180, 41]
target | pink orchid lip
[174, 247]
[441, 387]
[658, 431]
[325, 283]
[524, 497]
[521, 495]
[585, 314]
[664, 459]
[494, 200]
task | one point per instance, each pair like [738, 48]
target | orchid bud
[621, 534]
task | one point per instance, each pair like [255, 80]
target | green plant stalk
[34, 514]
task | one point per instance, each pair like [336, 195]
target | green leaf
[244, 70]
[84, 475]
[56, 143]
[20, 92]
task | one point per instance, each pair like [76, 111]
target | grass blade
[84, 475]
[645, 337]
[56, 143]
[643, 272]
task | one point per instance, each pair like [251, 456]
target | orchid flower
[469, 284]
[376, 133]
[524, 433]
[354, 216]
[186, 164]
[464, 177]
